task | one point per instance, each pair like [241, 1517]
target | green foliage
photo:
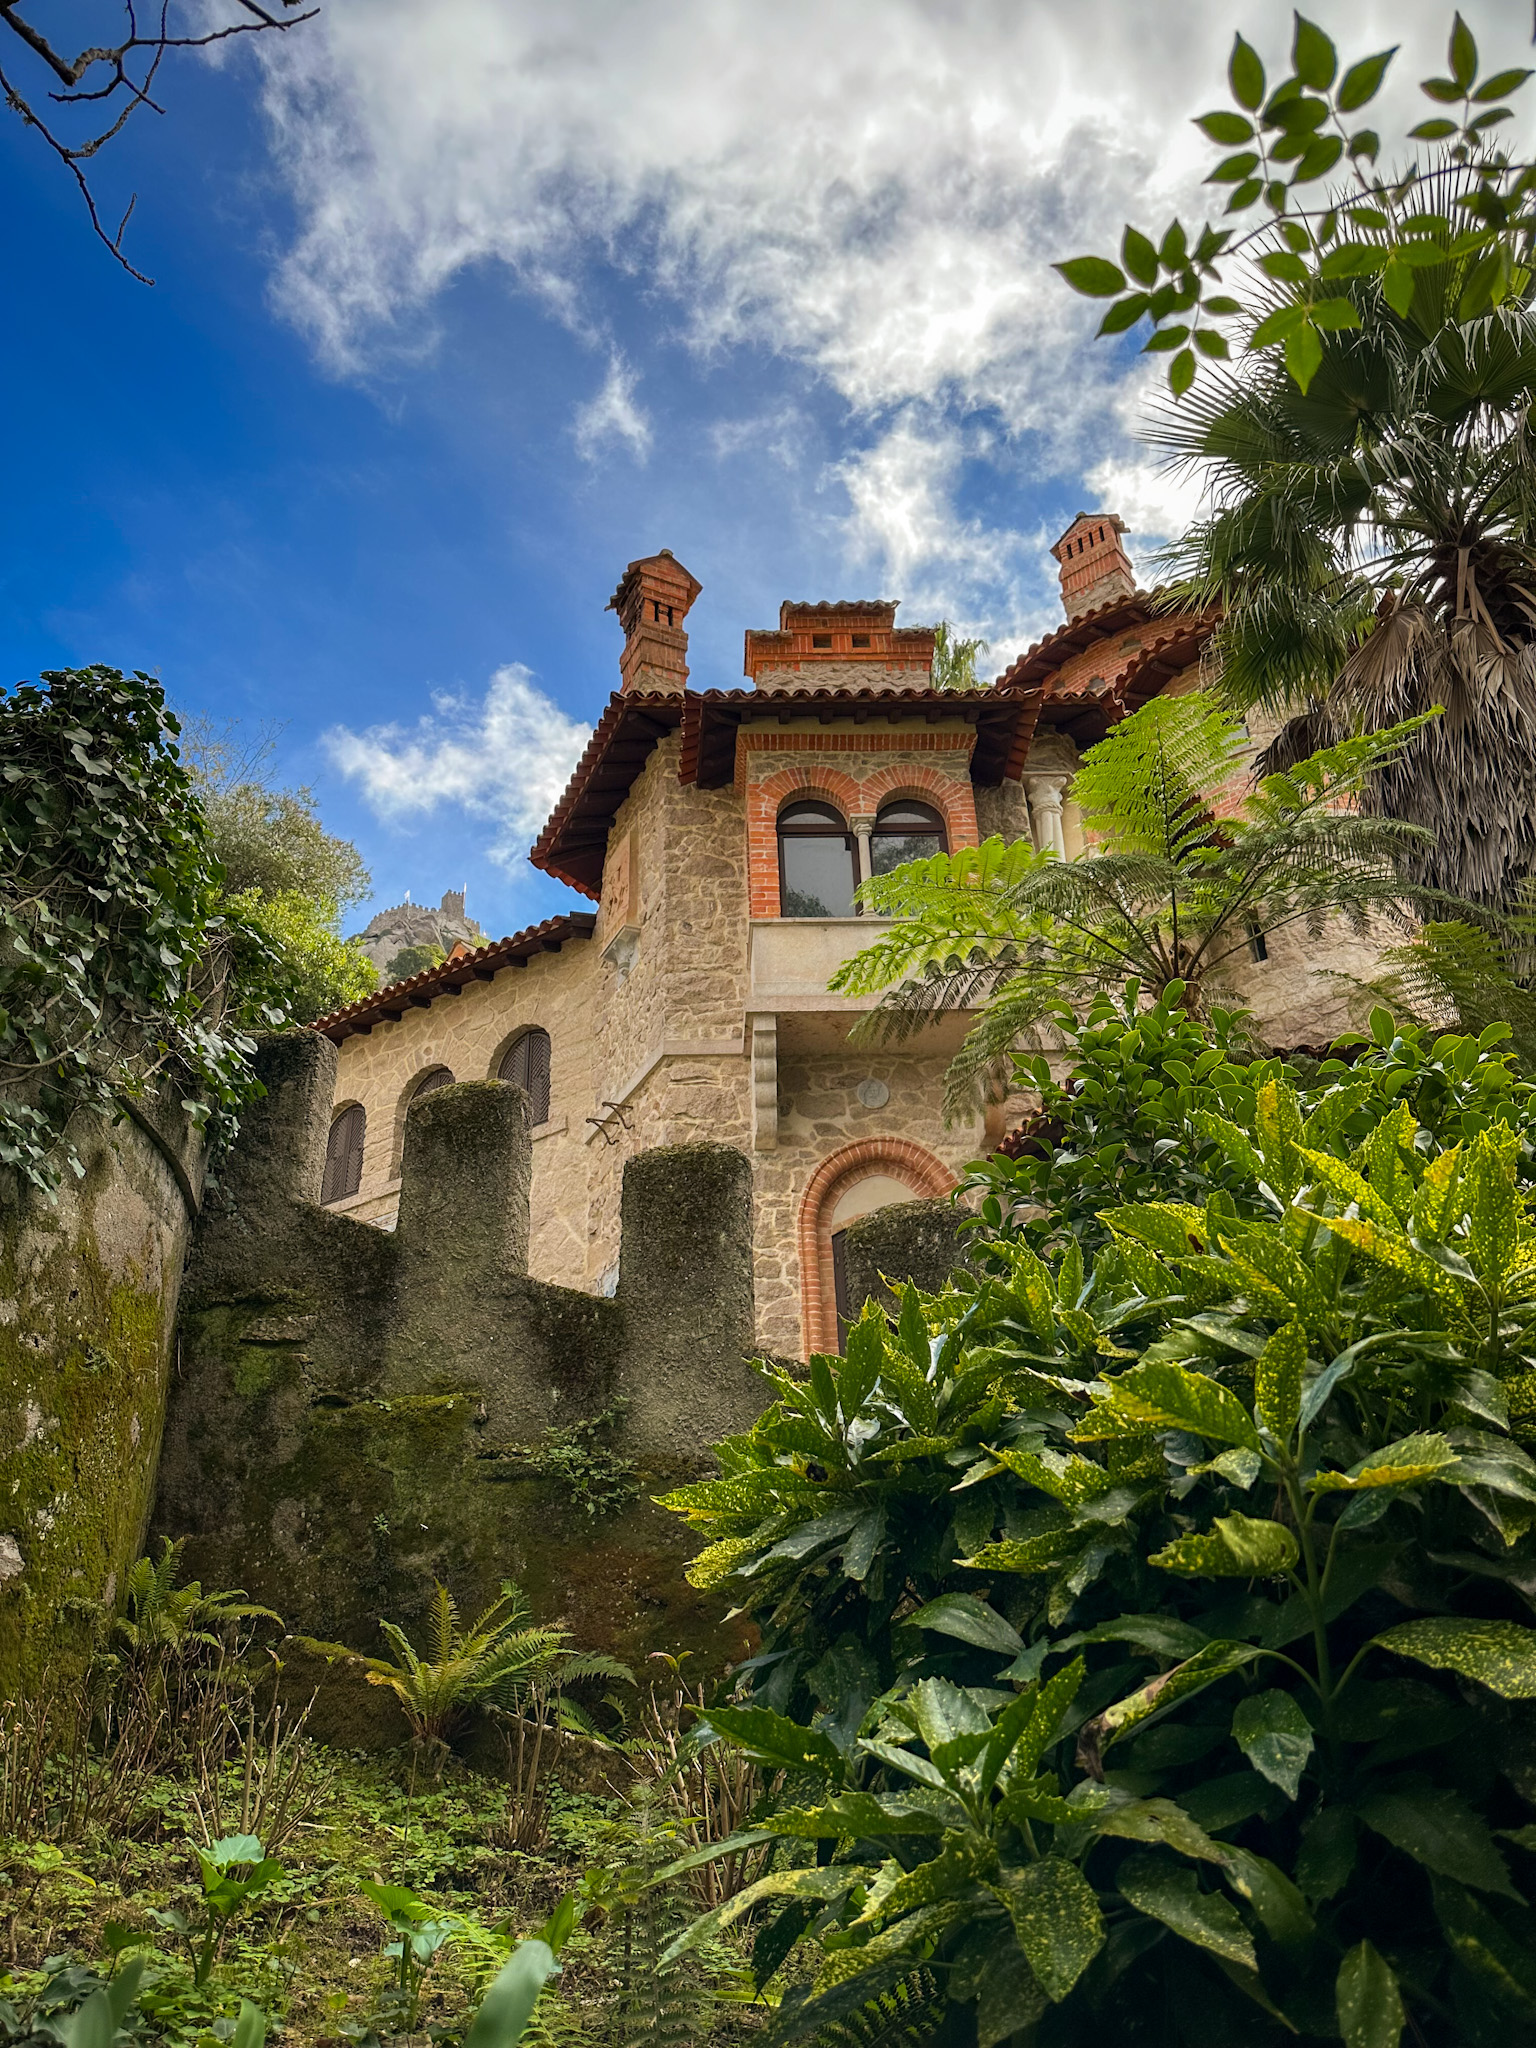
[412, 960]
[166, 1620]
[954, 659]
[317, 970]
[497, 1661]
[1185, 875]
[582, 1459]
[233, 1871]
[114, 953]
[1229, 1737]
[1449, 230]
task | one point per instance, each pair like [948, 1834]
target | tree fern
[1190, 866]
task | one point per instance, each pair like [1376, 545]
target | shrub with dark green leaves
[113, 957]
[1238, 1739]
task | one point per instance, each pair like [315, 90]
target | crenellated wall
[354, 1409]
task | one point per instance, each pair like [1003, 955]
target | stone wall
[469, 1033]
[354, 1410]
[88, 1291]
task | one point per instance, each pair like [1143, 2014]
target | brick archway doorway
[867, 1175]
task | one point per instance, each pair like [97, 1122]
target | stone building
[718, 834]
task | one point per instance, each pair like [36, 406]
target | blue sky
[460, 308]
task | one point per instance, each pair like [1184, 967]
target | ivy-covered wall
[88, 1293]
[357, 1412]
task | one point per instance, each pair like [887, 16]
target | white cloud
[613, 415]
[506, 759]
[875, 194]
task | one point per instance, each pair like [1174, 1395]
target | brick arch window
[906, 830]
[344, 1154]
[818, 864]
[525, 1063]
[856, 1180]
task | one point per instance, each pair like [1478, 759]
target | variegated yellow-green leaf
[1493, 1221]
[1277, 1377]
[1163, 1396]
[717, 1562]
[820, 1883]
[1239, 1547]
[1026, 1555]
[1390, 1248]
[908, 1936]
[1350, 1186]
[963, 1858]
[1275, 1271]
[1160, 1820]
[1438, 1201]
[1498, 1654]
[1275, 1736]
[1035, 1291]
[1409, 1461]
[1279, 1905]
[1069, 1480]
[1173, 1228]
[1056, 1917]
[1212, 1661]
[1171, 1893]
[1369, 2005]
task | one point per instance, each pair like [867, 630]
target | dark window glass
[905, 831]
[526, 1065]
[817, 866]
[344, 1155]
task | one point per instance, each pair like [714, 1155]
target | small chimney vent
[1095, 569]
[654, 596]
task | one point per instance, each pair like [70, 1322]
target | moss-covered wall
[353, 1408]
[88, 1291]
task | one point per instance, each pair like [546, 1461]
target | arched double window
[818, 867]
[526, 1065]
[905, 830]
[344, 1155]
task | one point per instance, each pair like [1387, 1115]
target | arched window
[818, 869]
[526, 1065]
[905, 831]
[344, 1155]
[431, 1081]
[863, 1198]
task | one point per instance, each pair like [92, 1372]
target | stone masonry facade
[684, 1008]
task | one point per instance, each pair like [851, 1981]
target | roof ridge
[457, 968]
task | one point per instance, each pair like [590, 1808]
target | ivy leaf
[1313, 58]
[1362, 81]
[1094, 276]
[1238, 1547]
[1171, 1893]
[1370, 2006]
[1057, 1920]
[1436, 1828]
[1246, 75]
[1275, 1736]
[1498, 1654]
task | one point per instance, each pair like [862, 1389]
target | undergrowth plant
[1179, 1595]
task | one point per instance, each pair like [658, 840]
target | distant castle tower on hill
[418, 924]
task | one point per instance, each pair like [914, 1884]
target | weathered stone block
[918, 1241]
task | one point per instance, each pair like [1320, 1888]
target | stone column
[685, 1290]
[862, 828]
[464, 1183]
[1045, 792]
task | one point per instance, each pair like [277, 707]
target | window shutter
[526, 1066]
[344, 1155]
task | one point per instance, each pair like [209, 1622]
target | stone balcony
[790, 960]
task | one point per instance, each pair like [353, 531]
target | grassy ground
[310, 1949]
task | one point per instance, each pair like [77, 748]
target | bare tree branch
[130, 68]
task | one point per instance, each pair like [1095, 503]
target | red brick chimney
[1094, 566]
[652, 600]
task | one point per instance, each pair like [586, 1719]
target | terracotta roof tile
[450, 975]
[572, 843]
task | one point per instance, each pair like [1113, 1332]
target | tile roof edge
[461, 967]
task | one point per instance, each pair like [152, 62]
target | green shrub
[1225, 1530]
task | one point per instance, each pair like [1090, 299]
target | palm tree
[954, 659]
[1373, 546]
[1188, 872]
